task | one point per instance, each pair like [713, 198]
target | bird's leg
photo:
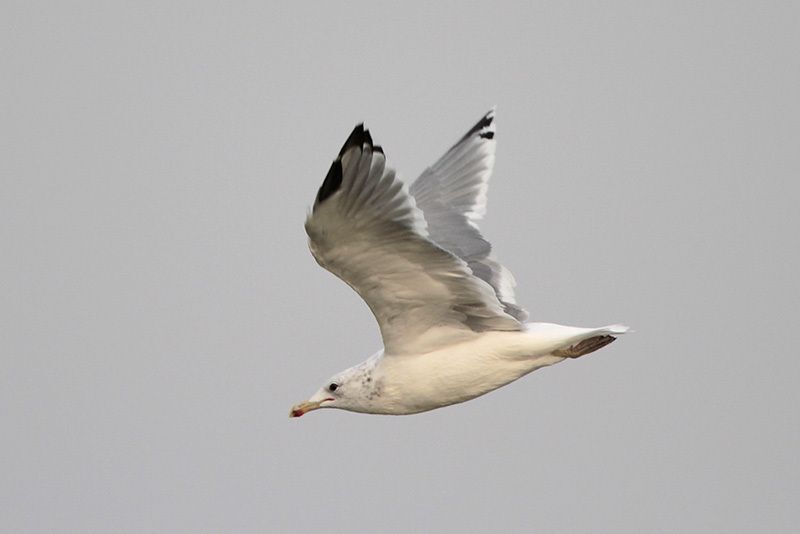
[584, 347]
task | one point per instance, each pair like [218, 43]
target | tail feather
[617, 329]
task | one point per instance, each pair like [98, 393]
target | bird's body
[415, 383]
[451, 327]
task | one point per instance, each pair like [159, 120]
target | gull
[450, 324]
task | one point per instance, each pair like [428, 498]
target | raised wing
[366, 229]
[452, 195]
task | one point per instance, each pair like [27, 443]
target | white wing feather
[366, 229]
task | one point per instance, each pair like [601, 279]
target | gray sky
[161, 312]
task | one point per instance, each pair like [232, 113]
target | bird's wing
[366, 229]
[452, 196]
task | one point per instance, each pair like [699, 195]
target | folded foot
[584, 347]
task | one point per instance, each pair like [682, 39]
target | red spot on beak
[297, 413]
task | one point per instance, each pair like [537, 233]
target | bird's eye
[333, 387]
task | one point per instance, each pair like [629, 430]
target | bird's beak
[305, 407]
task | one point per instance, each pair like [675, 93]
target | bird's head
[326, 397]
[349, 390]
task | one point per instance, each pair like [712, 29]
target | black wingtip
[357, 138]
[332, 182]
[485, 122]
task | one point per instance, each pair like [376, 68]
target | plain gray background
[161, 312]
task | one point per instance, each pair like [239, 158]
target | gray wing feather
[452, 195]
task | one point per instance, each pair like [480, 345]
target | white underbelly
[462, 372]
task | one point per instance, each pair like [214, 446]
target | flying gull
[451, 327]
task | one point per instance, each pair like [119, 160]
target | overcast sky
[160, 311]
